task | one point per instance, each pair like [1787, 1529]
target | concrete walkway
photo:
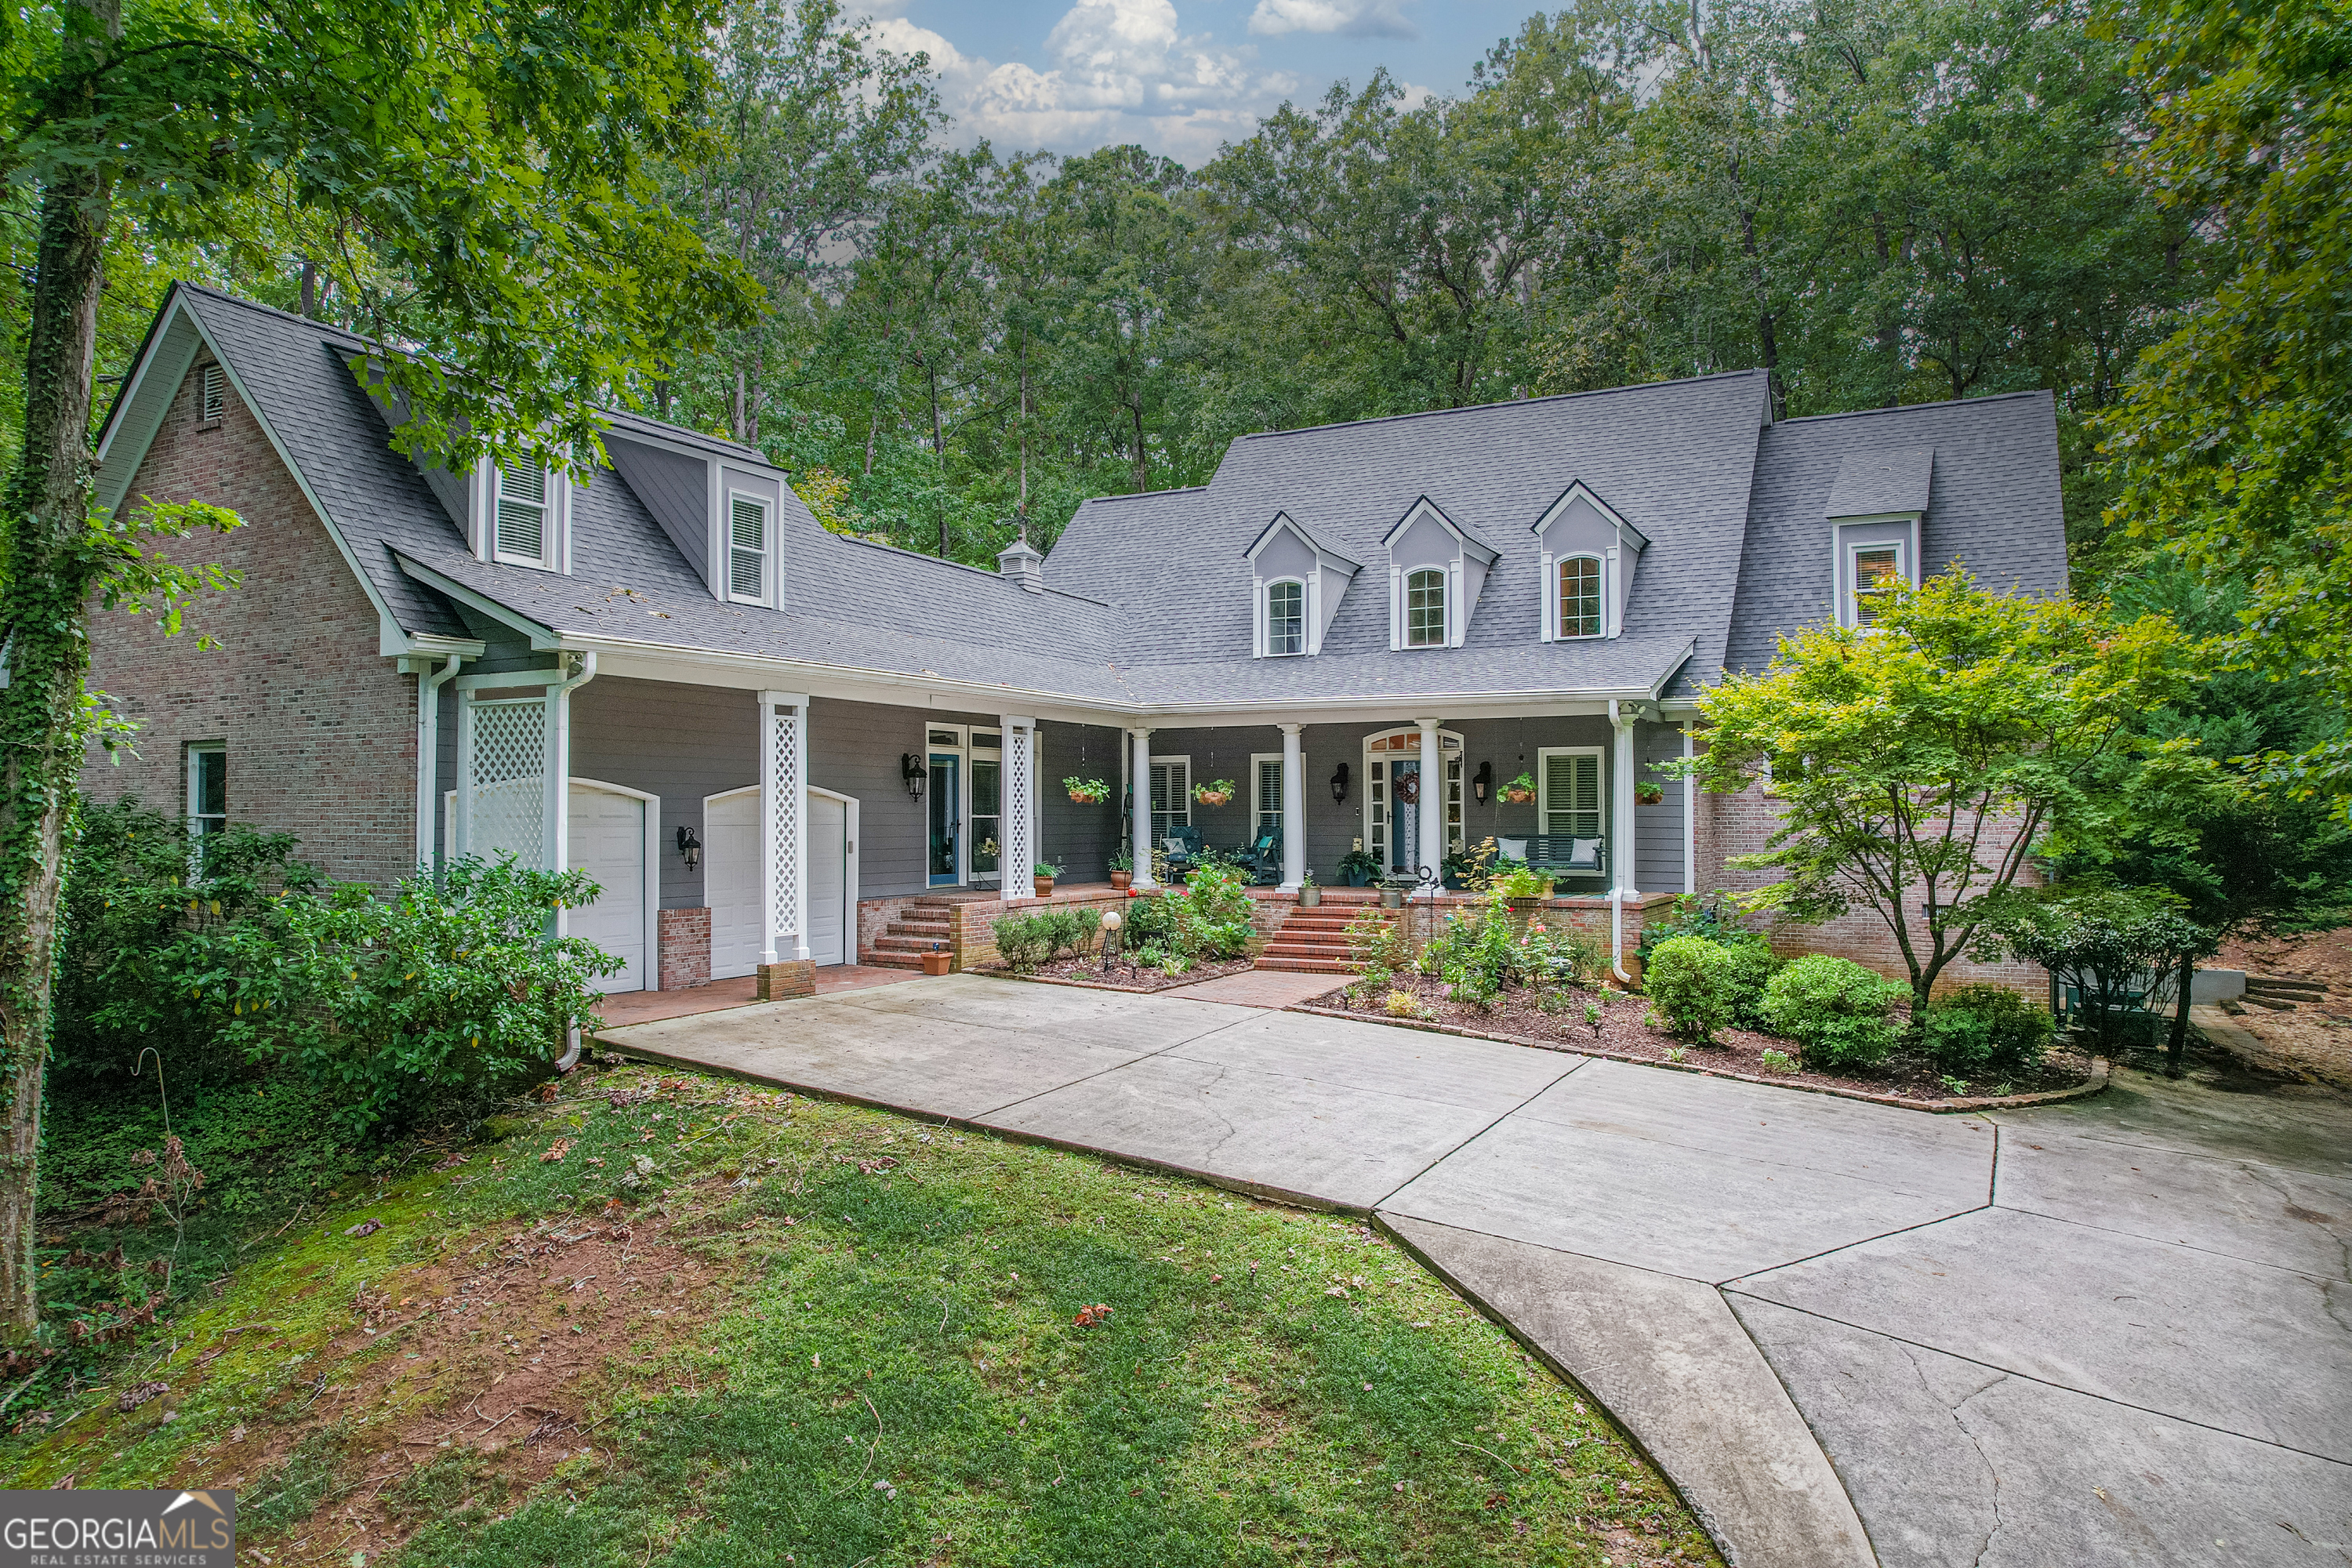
[2117, 1331]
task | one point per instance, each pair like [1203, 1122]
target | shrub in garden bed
[1025, 941]
[1839, 1012]
[1985, 1031]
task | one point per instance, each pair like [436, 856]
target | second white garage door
[731, 871]
[607, 840]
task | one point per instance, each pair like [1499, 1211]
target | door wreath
[1408, 789]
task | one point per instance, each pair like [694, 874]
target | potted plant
[1358, 867]
[1648, 792]
[1216, 791]
[936, 961]
[1087, 792]
[1122, 870]
[1310, 897]
[1044, 872]
[1520, 790]
[1523, 887]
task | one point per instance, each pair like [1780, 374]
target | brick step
[1305, 965]
[919, 928]
[2284, 985]
[890, 960]
[1285, 946]
[1295, 923]
[908, 944]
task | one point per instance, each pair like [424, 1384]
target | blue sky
[1178, 75]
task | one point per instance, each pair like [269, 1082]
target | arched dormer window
[1286, 616]
[1579, 596]
[1425, 608]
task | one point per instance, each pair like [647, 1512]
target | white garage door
[731, 881]
[608, 842]
[731, 871]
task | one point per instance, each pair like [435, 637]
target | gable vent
[747, 555]
[212, 393]
[522, 514]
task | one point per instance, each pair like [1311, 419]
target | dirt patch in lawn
[1089, 971]
[1611, 1023]
[2313, 1039]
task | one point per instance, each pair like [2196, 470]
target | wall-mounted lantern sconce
[1340, 784]
[1484, 784]
[911, 770]
[690, 846]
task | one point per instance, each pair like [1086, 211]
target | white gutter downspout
[428, 755]
[1621, 808]
[1690, 818]
[559, 704]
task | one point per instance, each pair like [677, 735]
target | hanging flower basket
[1087, 792]
[1650, 793]
[1520, 790]
[1216, 791]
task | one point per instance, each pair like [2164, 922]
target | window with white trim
[520, 522]
[207, 770]
[1878, 570]
[1171, 796]
[1568, 798]
[1579, 596]
[1266, 794]
[746, 548]
[1286, 618]
[212, 393]
[1425, 608]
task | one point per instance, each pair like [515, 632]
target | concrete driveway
[2115, 1331]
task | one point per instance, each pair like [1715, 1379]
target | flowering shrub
[1481, 953]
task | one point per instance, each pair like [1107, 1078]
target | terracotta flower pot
[1086, 799]
[1121, 878]
[1518, 796]
[936, 962]
[1045, 887]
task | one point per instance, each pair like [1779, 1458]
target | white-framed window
[1171, 796]
[1266, 794]
[520, 520]
[212, 393]
[1570, 798]
[1579, 596]
[1874, 569]
[1425, 608]
[207, 771]
[747, 547]
[1286, 616]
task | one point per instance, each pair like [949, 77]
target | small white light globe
[1110, 920]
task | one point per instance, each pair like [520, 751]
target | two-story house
[757, 734]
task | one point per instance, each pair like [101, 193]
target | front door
[987, 814]
[1404, 816]
[946, 818]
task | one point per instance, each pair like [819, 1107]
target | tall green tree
[480, 171]
[2233, 443]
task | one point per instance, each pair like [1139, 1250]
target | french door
[1393, 772]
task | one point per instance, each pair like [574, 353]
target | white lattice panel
[509, 806]
[790, 804]
[1020, 766]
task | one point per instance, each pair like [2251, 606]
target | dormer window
[1877, 571]
[1436, 573]
[1425, 609]
[747, 549]
[521, 529]
[1588, 554]
[1286, 618]
[1295, 586]
[1579, 596]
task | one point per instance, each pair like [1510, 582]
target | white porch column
[1431, 813]
[430, 682]
[1140, 814]
[1621, 832]
[783, 825]
[1017, 783]
[1294, 810]
[559, 777]
[1690, 819]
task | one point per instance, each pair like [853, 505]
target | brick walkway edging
[2096, 1083]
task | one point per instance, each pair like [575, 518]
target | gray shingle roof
[1148, 602]
[1874, 484]
[1993, 505]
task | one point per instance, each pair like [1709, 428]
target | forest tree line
[1878, 201]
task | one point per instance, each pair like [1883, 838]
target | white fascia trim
[1580, 491]
[1461, 538]
[542, 640]
[1324, 556]
[391, 637]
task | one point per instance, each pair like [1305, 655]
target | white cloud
[1355, 18]
[1121, 71]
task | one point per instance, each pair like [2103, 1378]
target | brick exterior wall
[684, 936]
[319, 729]
[1741, 824]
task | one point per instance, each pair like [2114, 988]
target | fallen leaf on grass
[555, 1151]
[365, 1227]
[1089, 1316]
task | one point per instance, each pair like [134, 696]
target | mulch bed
[1119, 976]
[1622, 1033]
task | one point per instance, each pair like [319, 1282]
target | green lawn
[821, 1336]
